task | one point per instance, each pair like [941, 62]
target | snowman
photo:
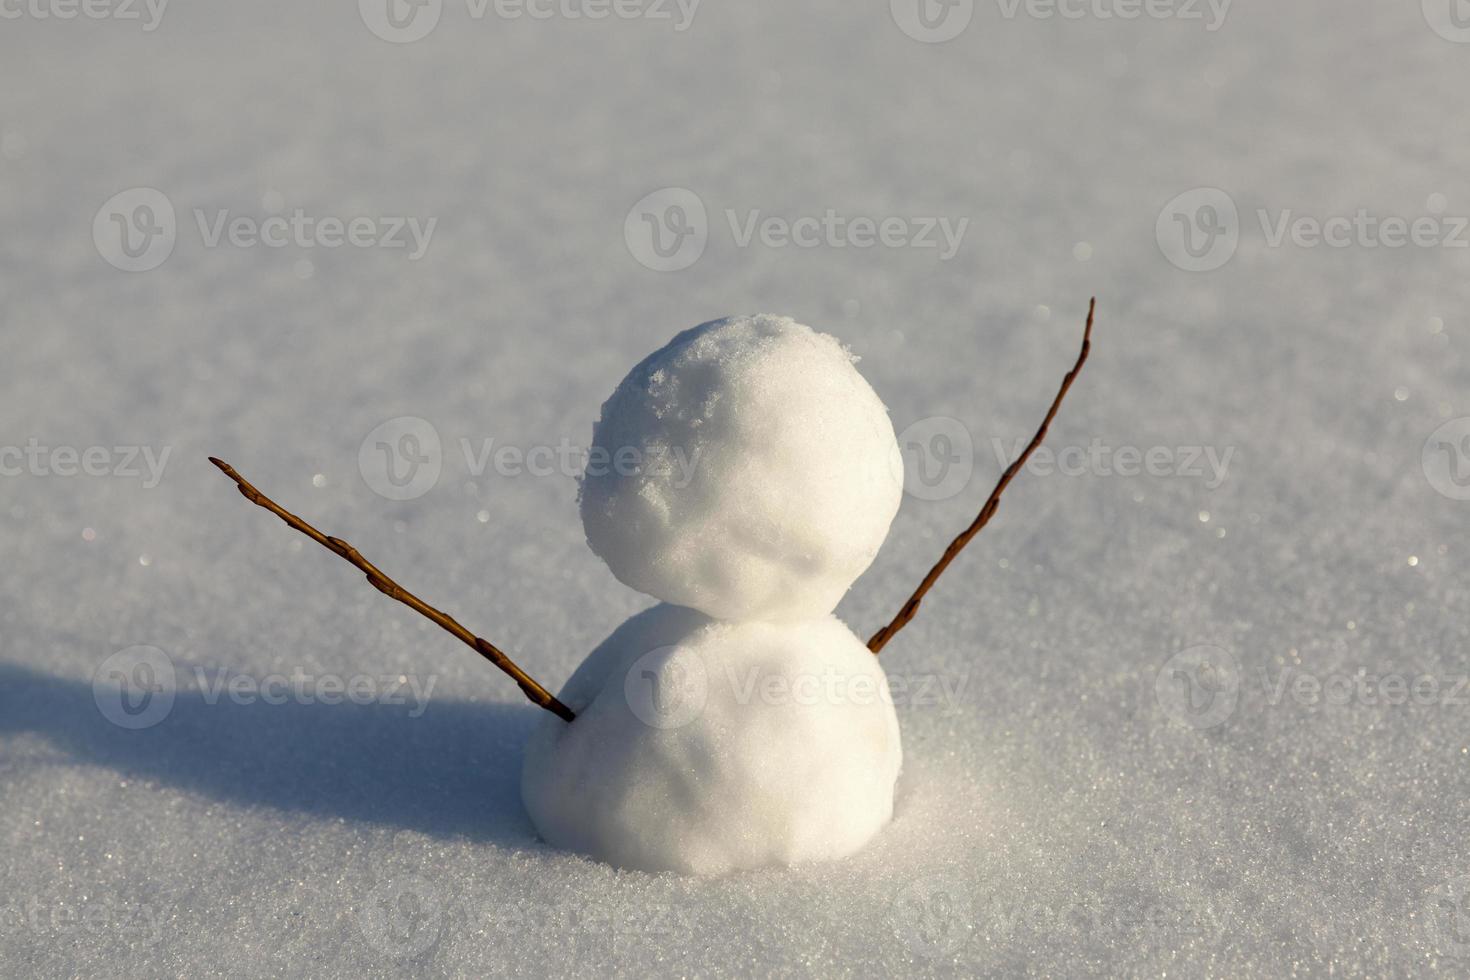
[744, 475]
[737, 724]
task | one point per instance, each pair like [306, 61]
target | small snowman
[737, 724]
[744, 475]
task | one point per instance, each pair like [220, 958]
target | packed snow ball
[704, 747]
[746, 470]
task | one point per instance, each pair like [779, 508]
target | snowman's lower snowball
[703, 746]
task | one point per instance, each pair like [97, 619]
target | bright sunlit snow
[1191, 705]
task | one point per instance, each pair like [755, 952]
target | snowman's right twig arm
[537, 694]
[910, 608]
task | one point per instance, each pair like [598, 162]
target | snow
[745, 469]
[705, 747]
[1052, 818]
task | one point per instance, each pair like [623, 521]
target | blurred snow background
[1062, 810]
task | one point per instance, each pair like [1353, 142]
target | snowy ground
[1062, 811]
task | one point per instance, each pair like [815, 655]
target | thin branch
[537, 694]
[910, 608]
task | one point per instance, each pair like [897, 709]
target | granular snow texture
[1193, 704]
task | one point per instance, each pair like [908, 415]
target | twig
[538, 694]
[910, 608]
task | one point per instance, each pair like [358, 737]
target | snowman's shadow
[454, 771]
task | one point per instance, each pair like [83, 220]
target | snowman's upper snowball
[703, 747]
[746, 470]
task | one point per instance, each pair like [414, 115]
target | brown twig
[910, 608]
[538, 694]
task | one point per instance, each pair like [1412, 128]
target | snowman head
[746, 470]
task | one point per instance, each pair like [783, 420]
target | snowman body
[745, 475]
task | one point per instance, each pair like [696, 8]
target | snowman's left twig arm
[535, 692]
[910, 608]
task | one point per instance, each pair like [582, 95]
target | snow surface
[744, 469]
[1056, 815]
[705, 747]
